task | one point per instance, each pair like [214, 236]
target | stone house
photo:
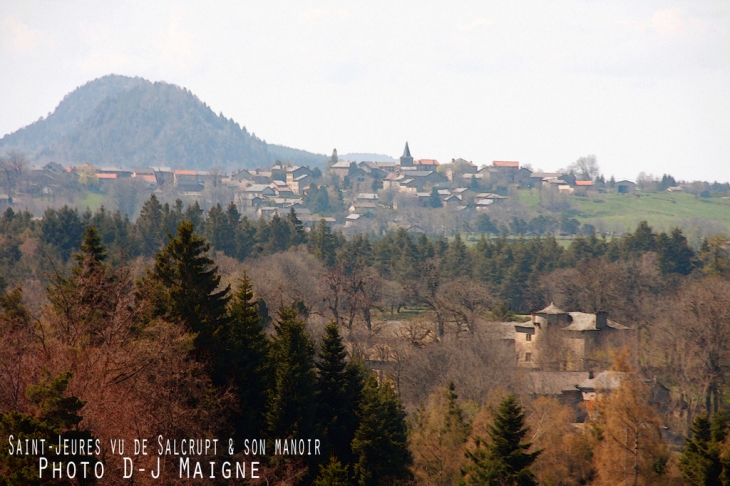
[570, 341]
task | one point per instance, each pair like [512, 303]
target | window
[528, 357]
[528, 337]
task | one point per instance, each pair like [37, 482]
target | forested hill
[131, 122]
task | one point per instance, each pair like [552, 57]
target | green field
[92, 200]
[617, 213]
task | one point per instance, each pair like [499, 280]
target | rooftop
[551, 309]
[504, 163]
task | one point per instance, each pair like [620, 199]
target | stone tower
[406, 160]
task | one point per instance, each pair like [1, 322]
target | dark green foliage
[339, 386]
[298, 235]
[279, 235]
[381, 440]
[504, 461]
[14, 223]
[317, 199]
[188, 289]
[245, 238]
[701, 462]
[247, 361]
[484, 224]
[675, 255]
[434, 201]
[291, 409]
[219, 229]
[456, 262]
[116, 232]
[322, 243]
[53, 414]
[62, 230]
[642, 240]
[149, 226]
[194, 214]
[333, 474]
[172, 217]
[91, 247]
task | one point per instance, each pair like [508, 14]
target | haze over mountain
[131, 122]
[360, 157]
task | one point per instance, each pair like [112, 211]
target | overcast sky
[643, 85]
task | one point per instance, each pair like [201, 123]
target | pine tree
[188, 289]
[675, 255]
[194, 214]
[456, 261]
[339, 386]
[219, 231]
[279, 235]
[333, 474]
[150, 227]
[504, 460]
[434, 201]
[298, 235]
[247, 356]
[381, 440]
[700, 462]
[54, 415]
[322, 243]
[82, 303]
[62, 229]
[291, 411]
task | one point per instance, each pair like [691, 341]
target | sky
[644, 86]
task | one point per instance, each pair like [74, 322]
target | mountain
[131, 122]
[364, 157]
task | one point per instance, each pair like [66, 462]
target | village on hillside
[355, 196]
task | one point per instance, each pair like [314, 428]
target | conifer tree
[82, 301]
[194, 214]
[434, 201]
[504, 460]
[700, 460]
[219, 231]
[247, 353]
[53, 415]
[291, 410]
[298, 235]
[188, 289]
[339, 386]
[456, 260]
[381, 440]
[675, 255]
[150, 227]
[334, 473]
[322, 243]
[245, 238]
[279, 235]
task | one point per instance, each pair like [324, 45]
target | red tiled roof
[185, 172]
[107, 176]
[147, 177]
[502, 163]
[427, 162]
[583, 183]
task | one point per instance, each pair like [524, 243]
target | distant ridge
[365, 157]
[131, 122]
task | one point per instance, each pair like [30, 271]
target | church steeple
[406, 159]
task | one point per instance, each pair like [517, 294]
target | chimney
[601, 320]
